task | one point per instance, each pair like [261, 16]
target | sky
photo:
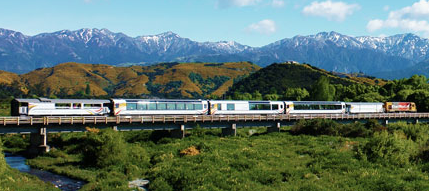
[249, 22]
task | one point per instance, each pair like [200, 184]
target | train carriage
[235, 107]
[159, 107]
[364, 107]
[46, 107]
[316, 107]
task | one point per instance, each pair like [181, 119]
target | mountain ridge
[332, 51]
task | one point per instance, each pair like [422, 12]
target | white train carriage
[316, 107]
[159, 107]
[364, 107]
[233, 107]
[47, 107]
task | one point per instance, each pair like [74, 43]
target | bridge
[39, 127]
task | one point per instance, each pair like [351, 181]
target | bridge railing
[47, 120]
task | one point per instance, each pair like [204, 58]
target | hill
[170, 80]
[277, 78]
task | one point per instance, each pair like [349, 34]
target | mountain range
[390, 57]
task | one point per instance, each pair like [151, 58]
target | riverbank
[61, 182]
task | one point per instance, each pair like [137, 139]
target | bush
[392, 148]
[316, 127]
[159, 184]
[330, 127]
[105, 149]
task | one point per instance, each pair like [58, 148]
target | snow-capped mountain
[328, 50]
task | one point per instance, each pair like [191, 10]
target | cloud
[336, 11]
[414, 18]
[278, 3]
[386, 8]
[245, 3]
[236, 3]
[266, 27]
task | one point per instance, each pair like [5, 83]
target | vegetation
[303, 82]
[311, 155]
[12, 179]
[168, 80]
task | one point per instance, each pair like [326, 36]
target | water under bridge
[39, 127]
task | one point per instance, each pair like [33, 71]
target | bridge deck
[52, 120]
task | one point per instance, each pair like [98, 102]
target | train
[127, 107]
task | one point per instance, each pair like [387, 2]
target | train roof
[47, 100]
[364, 103]
[318, 102]
[159, 100]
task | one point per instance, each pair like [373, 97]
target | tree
[272, 97]
[87, 89]
[421, 98]
[256, 95]
[297, 94]
[105, 148]
[322, 90]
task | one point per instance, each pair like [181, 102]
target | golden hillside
[8, 77]
[163, 80]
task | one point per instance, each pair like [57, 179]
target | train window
[62, 105]
[205, 106]
[230, 106]
[180, 106]
[141, 106]
[264, 107]
[171, 106]
[253, 106]
[87, 105]
[219, 106]
[198, 106]
[152, 106]
[161, 106]
[116, 105]
[189, 106]
[131, 106]
[275, 107]
[77, 105]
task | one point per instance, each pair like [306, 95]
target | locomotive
[125, 107]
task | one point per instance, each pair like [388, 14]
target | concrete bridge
[39, 127]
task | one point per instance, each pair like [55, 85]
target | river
[61, 182]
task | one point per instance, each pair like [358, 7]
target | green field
[312, 155]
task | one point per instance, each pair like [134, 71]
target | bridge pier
[386, 122]
[230, 131]
[416, 121]
[274, 128]
[178, 133]
[38, 142]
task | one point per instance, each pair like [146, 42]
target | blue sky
[249, 22]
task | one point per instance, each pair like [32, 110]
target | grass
[13, 180]
[206, 161]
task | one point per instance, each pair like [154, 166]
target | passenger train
[126, 107]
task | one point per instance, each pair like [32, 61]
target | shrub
[316, 127]
[159, 184]
[392, 148]
[105, 149]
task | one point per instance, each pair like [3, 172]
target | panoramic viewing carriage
[44, 106]
[158, 107]
[233, 107]
[317, 107]
[124, 107]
